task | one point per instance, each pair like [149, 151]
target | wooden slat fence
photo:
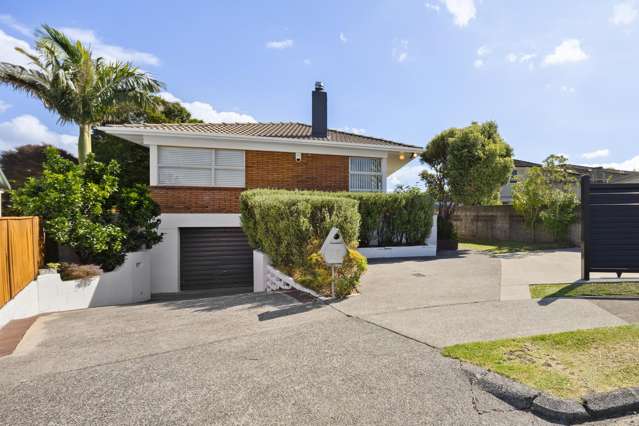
[19, 254]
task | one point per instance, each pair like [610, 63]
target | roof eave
[135, 134]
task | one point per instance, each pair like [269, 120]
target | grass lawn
[502, 247]
[539, 291]
[568, 365]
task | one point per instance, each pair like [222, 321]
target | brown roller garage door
[215, 259]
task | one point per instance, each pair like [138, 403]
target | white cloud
[279, 44]
[478, 63]
[307, 61]
[206, 112]
[407, 175]
[432, 6]
[4, 106]
[400, 52]
[521, 58]
[8, 52]
[12, 23]
[624, 13]
[463, 11]
[599, 153]
[631, 164]
[27, 129]
[568, 51]
[357, 131]
[567, 89]
[110, 52]
[343, 38]
[483, 51]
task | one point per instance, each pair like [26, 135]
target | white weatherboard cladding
[186, 166]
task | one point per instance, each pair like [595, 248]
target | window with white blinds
[200, 167]
[365, 174]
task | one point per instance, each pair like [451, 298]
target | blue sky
[557, 76]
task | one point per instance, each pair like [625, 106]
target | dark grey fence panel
[610, 228]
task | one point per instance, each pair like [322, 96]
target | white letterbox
[334, 249]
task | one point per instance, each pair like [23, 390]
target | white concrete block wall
[130, 283]
[260, 262]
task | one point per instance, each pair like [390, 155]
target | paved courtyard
[258, 358]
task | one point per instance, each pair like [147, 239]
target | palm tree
[81, 89]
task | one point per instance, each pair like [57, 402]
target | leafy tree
[22, 162]
[81, 89]
[561, 196]
[83, 208]
[133, 158]
[436, 156]
[479, 164]
[26, 161]
[529, 197]
[467, 166]
[547, 194]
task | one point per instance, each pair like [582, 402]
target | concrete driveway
[458, 298]
[268, 358]
[245, 359]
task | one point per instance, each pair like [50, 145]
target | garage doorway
[215, 259]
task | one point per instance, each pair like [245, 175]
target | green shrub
[394, 219]
[84, 207]
[290, 226]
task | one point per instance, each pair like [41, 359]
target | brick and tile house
[197, 172]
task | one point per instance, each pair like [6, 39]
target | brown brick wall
[196, 199]
[280, 170]
[263, 170]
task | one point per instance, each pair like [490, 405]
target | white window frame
[381, 173]
[213, 167]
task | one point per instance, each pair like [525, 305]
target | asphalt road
[212, 361]
[269, 359]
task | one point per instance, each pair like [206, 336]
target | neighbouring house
[197, 172]
[597, 174]
[4, 186]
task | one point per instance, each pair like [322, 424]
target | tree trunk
[84, 142]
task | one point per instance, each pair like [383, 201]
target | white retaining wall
[427, 250]
[129, 283]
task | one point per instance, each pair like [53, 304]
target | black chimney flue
[320, 112]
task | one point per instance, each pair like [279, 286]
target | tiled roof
[522, 163]
[290, 130]
[632, 176]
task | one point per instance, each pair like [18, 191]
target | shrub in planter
[83, 207]
[446, 234]
[290, 226]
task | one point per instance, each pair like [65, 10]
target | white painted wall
[165, 257]
[260, 262]
[129, 283]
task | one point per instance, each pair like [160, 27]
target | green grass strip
[540, 291]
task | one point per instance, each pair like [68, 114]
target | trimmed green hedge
[394, 219]
[290, 226]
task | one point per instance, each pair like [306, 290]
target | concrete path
[246, 359]
[459, 298]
